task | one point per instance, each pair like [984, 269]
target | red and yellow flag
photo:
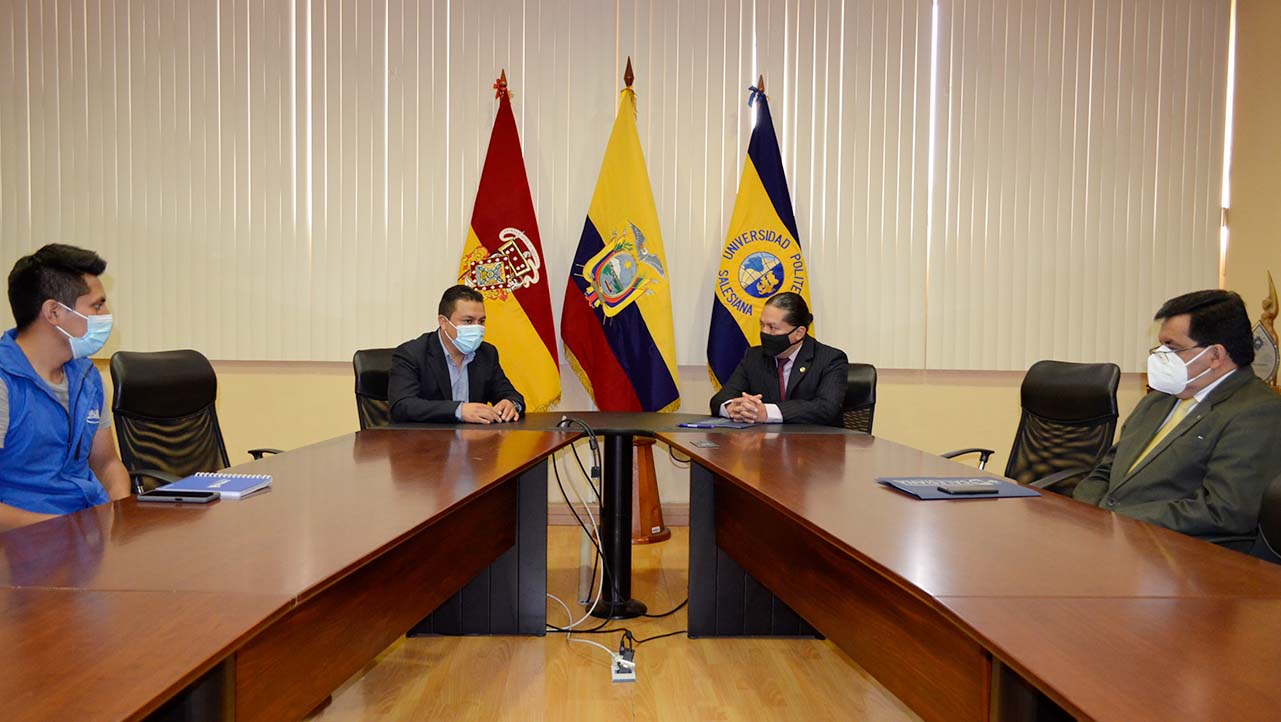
[503, 259]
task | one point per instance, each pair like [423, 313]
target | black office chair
[165, 419]
[1068, 423]
[859, 408]
[1267, 545]
[372, 366]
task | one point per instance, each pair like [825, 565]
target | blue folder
[926, 487]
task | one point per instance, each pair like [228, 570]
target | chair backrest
[372, 366]
[1268, 544]
[164, 413]
[1069, 419]
[859, 409]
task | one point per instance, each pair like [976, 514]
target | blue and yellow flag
[617, 317]
[762, 253]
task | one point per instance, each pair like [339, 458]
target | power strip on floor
[623, 668]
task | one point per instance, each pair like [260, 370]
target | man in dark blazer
[1198, 451]
[790, 378]
[451, 374]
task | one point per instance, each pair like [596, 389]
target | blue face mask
[469, 337]
[97, 331]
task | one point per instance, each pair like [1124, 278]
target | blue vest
[44, 465]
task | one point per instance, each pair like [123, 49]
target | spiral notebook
[230, 486]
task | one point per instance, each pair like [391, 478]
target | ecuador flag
[503, 259]
[762, 254]
[617, 319]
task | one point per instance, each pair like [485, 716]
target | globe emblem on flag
[760, 274]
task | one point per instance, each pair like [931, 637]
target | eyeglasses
[1162, 349]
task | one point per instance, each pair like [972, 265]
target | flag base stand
[629, 609]
[647, 508]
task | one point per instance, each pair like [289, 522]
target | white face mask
[1168, 373]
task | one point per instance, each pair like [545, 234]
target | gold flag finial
[500, 85]
[628, 75]
[760, 83]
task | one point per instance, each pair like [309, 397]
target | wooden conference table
[258, 608]
[269, 603]
[956, 606]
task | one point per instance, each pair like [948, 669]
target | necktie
[1181, 410]
[782, 380]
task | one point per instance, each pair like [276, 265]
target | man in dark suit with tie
[790, 378]
[451, 374]
[1198, 451]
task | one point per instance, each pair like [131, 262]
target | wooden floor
[531, 678]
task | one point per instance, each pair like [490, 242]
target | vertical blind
[293, 180]
[1078, 186]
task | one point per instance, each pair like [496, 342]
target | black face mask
[774, 344]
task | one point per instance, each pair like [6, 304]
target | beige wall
[1255, 217]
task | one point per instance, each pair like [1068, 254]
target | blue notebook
[230, 486]
[926, 488]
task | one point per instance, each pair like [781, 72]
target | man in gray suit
[1199, 450]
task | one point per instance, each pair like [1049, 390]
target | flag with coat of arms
[503, 259]
[617, 317]
[762, 253]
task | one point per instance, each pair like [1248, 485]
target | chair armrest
[1058, 477]
[259, 453]
[163, 477]
[984, 454]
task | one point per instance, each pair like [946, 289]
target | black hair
[454, 294]
[798, 311]
[55, 271]
[1216, 317]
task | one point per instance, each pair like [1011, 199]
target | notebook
[230, 486]
[926, 488]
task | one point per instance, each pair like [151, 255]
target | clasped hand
[748, 408]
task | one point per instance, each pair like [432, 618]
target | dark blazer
[1207, 477]
[418, 388]
[815, 390]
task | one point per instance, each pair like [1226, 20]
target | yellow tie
[1181, 410]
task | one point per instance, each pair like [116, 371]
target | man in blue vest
[56, 453]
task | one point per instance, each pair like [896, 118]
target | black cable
[590, 534]
[596, 461]
[600, 554]
[670, 612]
[592, 444]
[587, 476]
[592, 584]
[658, 636]
[672, 453]
[598, 629]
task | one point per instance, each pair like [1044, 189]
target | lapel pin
[802, 369]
